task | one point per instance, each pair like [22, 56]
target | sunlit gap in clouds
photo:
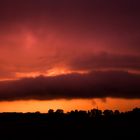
[56, 71]
[52, 72]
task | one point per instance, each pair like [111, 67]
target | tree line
[76, 123]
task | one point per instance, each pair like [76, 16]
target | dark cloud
[106, 60]
[91, 85]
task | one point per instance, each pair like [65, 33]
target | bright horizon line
[68, 105]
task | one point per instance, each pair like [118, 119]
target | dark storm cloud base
[71, 86]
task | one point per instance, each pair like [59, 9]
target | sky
[69, 54]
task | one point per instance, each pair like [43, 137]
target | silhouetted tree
[116, 112]
[108, 113]
[50, 111]
[96, 113]
[59, 111]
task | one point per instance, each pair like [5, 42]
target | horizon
[76, 110]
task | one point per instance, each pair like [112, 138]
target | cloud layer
[92, 85]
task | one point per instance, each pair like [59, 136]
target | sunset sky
[69, 54]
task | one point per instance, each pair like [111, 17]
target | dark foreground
[93, 124]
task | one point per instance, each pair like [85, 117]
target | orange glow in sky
[68, 105]
[52, 72]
